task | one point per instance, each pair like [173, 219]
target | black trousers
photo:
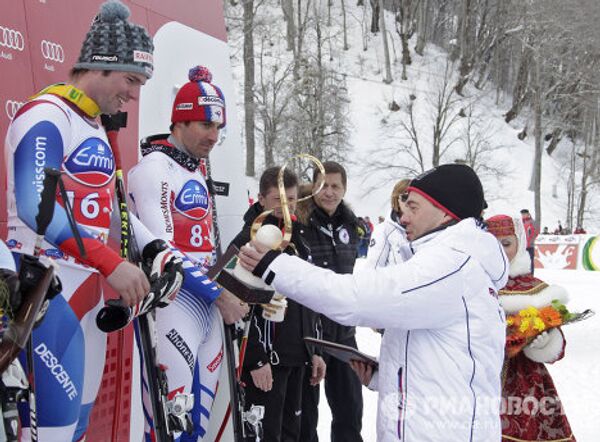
[344, 395]
[531, 251]
[282, 404]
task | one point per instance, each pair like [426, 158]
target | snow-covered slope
[375, 128]
[377, 134]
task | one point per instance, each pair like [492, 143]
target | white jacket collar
[469, 238]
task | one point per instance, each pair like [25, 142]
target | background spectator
[530, 233]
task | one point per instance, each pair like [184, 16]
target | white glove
[547, 347]
[165, 274]
[540, 341]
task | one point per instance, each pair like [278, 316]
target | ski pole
[240, 369]
[129, 250]
[43, 219]
[234, 385]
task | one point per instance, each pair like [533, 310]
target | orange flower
[551, 316]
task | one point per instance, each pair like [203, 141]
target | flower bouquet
[524, 326]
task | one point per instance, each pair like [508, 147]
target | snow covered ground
[577, 376]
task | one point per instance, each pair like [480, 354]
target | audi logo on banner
[11, 39]
[52, 51]
[12, 107]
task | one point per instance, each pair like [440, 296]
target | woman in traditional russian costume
[531, 408]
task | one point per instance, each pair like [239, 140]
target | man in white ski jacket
[442, 352]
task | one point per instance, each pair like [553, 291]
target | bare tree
[481, 148]
[290, 23]
[422, 26]
[344, 26]
[521, 87]
[249, 125]
[536, 181]
[272, 98]
[301, 25]
[387, 79]
[376, 10]
[589, 159]
[399, 151]
[404, 28]
[445, 115]
[465, 47]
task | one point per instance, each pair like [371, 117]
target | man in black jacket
[276, 355]
[332, 237]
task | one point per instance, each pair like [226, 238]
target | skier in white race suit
[172, 198]
[443, 347]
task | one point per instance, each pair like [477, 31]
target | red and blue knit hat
[199, 100]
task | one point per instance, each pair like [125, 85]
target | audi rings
[11, 39]
[52, 51]
[12, 107]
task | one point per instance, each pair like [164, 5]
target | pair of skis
[169, 416]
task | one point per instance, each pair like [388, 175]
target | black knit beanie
[453, 188]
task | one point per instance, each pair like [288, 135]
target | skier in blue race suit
[60, 128]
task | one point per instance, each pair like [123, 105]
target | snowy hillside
[377, 133]
[375, 161]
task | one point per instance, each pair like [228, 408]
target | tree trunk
[587, 169]
[556, 137]
[571, 188]
[404, 18]
[248, 55]
[290, 21]
[301, 29]
[439, 35]
[386, 52]
[537, 162]
[466, 57]
[319, 124]
[269, 145]
[520, 91]
[422, 25]
[345, 28]
[375, 16]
